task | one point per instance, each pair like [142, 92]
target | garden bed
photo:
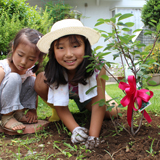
[54, 142]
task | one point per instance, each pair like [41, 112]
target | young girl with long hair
[66, 77]
[17, 77]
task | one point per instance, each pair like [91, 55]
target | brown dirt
[119, 147]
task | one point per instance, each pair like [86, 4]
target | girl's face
[69, 53]
[24, 57]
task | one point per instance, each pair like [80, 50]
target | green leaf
[152, 20]
[105, 77]
[148, 32]
[106, 53]
[20, 131]
[120, 106]
[121, 24]
[113, 20]
[116, 55]
[141, 45]
[100, 20]
[107, 20]
[126, 29]
[137, 30]
[117, 15]
[98, 23]
[129, 24]
[158, 27]
[123, 39]
[109, 108]
[152, 83]
[124, 16]
[120, 114]
[89, 69]
[100, 102]
[104, 35]
[103, 54]
[152, 24]
[98, 47]
[91, 89]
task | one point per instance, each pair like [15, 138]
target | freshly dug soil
[143, 146]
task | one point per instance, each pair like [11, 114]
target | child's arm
[2, 74]
[79, 134]
[32, 113]
[98, 113]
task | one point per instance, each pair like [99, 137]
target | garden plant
[131, 55]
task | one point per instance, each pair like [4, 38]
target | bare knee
[40, 86]
[115, 110]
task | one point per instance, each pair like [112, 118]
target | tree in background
[59, 10]
[150, 13]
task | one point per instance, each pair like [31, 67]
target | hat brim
[45, 42]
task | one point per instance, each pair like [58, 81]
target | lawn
[44, 111]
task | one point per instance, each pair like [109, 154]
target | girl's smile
[69, 53]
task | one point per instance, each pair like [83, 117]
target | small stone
[41, 145]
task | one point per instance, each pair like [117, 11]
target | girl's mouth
[21, 67]
[71, 61]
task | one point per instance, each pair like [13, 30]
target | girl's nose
[69, 53]
[23, 61]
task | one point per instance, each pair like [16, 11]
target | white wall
[96, 9]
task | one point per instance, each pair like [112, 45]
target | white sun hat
[67, 27]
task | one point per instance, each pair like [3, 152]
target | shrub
[15, 15]
[59, 11]
[150, 13]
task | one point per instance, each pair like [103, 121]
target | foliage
[119, 71]
[15, 15]
[154, 59]
[150, 13]
[58, 10]
[130, 52]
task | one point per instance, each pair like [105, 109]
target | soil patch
[144, 146]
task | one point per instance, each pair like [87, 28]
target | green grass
[114, 92]
[44, 110]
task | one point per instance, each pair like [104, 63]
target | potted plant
[153, 68]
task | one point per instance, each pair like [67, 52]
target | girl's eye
[75, 45]
[20, 55]
[31, 59]
[60, 47]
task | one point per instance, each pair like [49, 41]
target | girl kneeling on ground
[17, 81]
[66, 78]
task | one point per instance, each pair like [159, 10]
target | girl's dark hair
[54, 72]
[32, 36]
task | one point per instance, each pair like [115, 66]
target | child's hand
[92, 142]
[79, 134]
[32, 116]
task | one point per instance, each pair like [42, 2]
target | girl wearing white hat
[66, 78]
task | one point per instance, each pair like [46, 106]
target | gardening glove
[79, 134]
[92, 142]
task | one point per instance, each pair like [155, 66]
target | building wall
[92, 10]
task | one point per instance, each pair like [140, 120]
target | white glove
[79, 134]
[92, 142]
